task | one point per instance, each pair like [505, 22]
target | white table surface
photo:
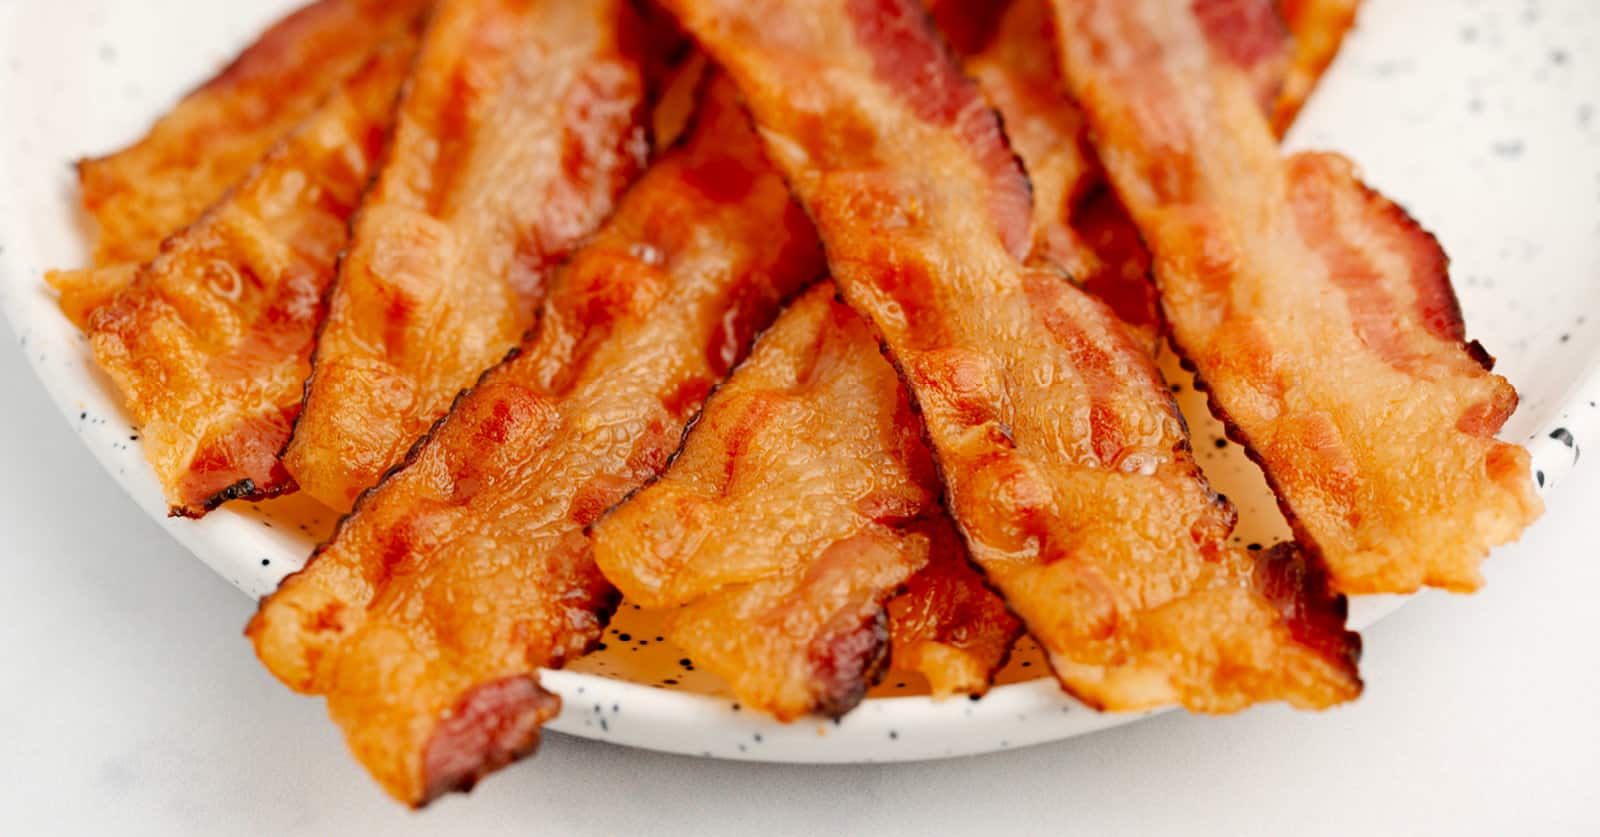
[130, 703]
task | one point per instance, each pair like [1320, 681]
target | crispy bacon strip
[1318, 27]
[211, 343]
[1064, 459]
[424, 619]
[522, 124]
[1318, 313]
[801, 503]
[206, 145]
[947, 625]
[1078, 225]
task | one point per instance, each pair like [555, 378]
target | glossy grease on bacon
[800, 504]
[1318, 314]
[522, 123]
[1065, 462]
[211, 344]
[425, 619]
[207, 143]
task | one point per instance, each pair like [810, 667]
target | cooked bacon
[206, 145]
[79, 292]
[1251, 36]
[211, 343]
[948, 625]
[522, 124]
[1078, 226]
[1318, 27]
[1320, 316]
[1065, 461]
[1079, 223]
[800, 504]
[425, 618]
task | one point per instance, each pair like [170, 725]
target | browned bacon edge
[850, 661]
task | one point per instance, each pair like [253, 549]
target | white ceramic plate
[1479, 116]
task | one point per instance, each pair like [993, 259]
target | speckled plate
[1479, 116]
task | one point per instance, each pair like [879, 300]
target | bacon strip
[1064, 459]
[204, 146]
[803, 500]
[211, 343]
[424, 619]
[1078, 225]
[522, 124]
[948, 625]
[1319, 28]
[1318, 313]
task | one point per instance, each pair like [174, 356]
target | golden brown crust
[1318, 27]
[207, 143]
[522, 123]
[211, 342]
[1318, 314]
[468, 568]
[1065, 462]
[799, 505]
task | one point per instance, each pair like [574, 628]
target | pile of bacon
[825, 326]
